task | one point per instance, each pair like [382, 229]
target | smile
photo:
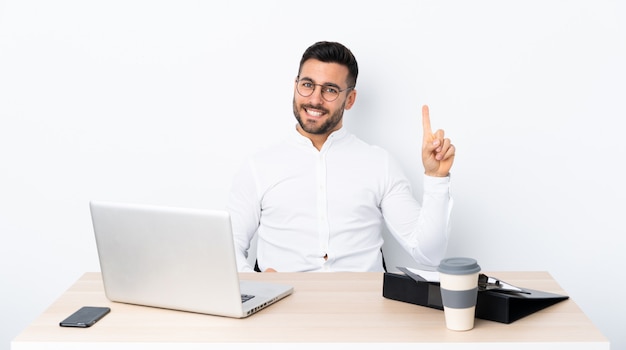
[316, 113]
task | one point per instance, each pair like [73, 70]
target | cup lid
[458, 266]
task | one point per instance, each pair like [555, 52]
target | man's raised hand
[437, 152]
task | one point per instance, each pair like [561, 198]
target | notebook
[175, 258]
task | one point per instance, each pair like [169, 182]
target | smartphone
[85, 317]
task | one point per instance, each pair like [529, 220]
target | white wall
[159, 102]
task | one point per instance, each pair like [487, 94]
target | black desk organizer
[491, 305]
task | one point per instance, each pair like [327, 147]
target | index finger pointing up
[426, 121]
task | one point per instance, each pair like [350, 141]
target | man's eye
[307, 85]
[331, 90]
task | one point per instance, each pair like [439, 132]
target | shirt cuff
[436, 184]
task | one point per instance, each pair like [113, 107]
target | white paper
[430, 276]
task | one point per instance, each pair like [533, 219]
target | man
[319, 200]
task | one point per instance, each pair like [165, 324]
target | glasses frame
[315, 85]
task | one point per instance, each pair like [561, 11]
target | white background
[160, 101]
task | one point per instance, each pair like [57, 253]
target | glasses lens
[330, 93]
[305, 88]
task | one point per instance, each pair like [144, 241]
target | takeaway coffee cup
[459, 289]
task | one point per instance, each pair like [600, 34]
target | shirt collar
[333, 137]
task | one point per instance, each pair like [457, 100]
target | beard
[314, 126]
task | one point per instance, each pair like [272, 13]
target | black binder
[491, 305]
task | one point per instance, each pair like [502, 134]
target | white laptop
[174, 258]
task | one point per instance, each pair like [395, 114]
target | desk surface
[341, 308]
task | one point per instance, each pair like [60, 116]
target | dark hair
[332, 52]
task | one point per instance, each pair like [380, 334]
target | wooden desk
[342, 309]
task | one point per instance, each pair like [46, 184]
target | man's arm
[423, 229]
[244, 209]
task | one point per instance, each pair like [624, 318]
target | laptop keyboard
[246, 297]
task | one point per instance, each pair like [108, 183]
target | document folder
[491, 305]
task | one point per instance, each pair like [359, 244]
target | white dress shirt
[324, 210]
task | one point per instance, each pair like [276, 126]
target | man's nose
[316, 96]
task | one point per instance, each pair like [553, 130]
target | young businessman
[319, 199]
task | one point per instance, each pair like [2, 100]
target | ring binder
[504, 307]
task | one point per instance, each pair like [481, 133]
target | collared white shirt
[325, 210]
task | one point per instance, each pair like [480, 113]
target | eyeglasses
[330, 92]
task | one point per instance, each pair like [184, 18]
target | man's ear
[350, 100]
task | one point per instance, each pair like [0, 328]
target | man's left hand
[437, 152]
